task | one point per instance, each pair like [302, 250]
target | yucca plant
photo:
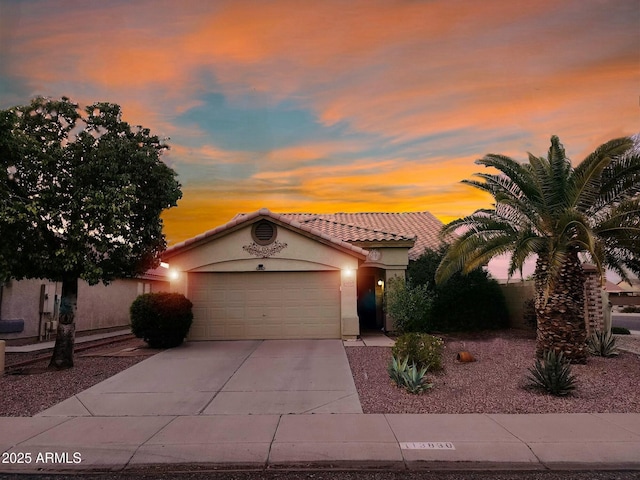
[408, 377]
[553, 374]
[602, 344]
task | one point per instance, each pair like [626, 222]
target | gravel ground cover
[33, 388]
[496, 382]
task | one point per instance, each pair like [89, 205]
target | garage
[265, 305]
[266, 276]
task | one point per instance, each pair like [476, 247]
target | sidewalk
[40, 346]
[472, 441]
[132, 433]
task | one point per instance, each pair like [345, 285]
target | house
[624, 293]
[28, 308]
[265, 275]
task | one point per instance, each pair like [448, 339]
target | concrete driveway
[231, 377]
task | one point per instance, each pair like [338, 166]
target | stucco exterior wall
[107, 306]
[226, 254]
[21, 300]
[99, 306]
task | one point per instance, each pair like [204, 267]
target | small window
[264, 233]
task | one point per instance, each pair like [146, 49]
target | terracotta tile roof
[613, 288]
[353, 233]
[422, 226]
[264, 212]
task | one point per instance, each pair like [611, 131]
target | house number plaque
[427, 446]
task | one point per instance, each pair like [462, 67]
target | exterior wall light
[174, 274]
[260, 268]
[380, 283]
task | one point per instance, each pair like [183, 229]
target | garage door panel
[261, 305]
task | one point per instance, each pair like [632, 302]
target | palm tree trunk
[560, 310]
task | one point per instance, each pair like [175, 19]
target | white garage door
[265, 305]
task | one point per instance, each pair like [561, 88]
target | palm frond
[527, 244]
[620, 180]
[548, 208]
[587, 181]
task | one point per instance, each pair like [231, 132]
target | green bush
[465, 302]
[620, 331]
[161, 319]
[410, 307]
[411, 378]
[631, 309]
[552, 374]
[421, 349]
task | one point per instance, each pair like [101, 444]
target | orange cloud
[449, 80]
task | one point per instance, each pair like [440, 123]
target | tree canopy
[549, 208]
[82, 193]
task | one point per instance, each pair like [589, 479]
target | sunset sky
[327, 106]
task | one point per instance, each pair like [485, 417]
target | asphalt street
[166, 474]
[630, 321]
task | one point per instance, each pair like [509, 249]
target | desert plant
[424, 350]
[397, 369]
[602, 344]
[552, 374]
[620, 331]
[161, 319]
[409, 306]
[411, 378]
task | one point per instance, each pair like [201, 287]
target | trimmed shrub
[410, 307]
[631, 309]
[620, 331]
[465, 302]
[421, 349]
[161, 319]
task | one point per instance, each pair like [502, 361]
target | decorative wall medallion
[264, 251]
[374, 255]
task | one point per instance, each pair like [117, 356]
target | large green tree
[81, 193]
[560, 213]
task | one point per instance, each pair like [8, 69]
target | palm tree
[562, 214]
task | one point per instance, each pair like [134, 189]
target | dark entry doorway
[370, 293]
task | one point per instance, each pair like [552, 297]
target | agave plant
[602, 344]
[415, 381]
[553, 374]
[411, 377]
[397, 369]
